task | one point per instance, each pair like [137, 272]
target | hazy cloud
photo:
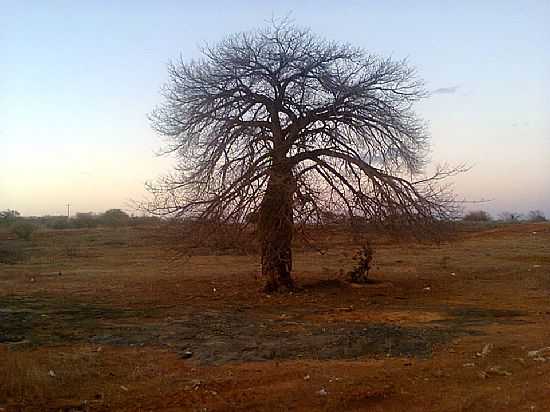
[446, 90]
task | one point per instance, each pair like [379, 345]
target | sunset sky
[77, 80]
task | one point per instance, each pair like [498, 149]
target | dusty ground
[100, 320]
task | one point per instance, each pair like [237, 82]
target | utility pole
[68, 210]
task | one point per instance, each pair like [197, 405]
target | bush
[363, 258]
[23, 230]
[55, 222]
[11, 253]
[477, 216]
[85, 220]
[115, 218]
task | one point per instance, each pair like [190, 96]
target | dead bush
[363, 259]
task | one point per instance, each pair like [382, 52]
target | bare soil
[107, 319]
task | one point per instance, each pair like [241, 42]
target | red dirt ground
[460, 326]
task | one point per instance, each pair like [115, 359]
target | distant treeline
[119, 218]
[507, 217]
[110, 218]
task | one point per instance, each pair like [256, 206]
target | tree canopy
[281, 123]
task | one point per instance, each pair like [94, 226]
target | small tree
[57, 222]
[115, 218]
[282, 123]
[23, 230]
[536, 216]
[477, 216]
[7, 217]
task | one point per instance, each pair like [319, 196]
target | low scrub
[11, 253]
[191, 238]
[23, 230]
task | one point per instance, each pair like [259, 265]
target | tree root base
[279, 287]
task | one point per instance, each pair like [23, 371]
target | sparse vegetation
[477, 216]
[510, 217]
[172, 333]
[110, 218]
[23, 229]
[8, 217]
[11, 252]
[101, 321]
[306, 241]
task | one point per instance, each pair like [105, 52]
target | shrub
[56, 222]
[115, 218]
[363, 259]
[85, 220]
[23, 230]
[477, 216]
[11, 253]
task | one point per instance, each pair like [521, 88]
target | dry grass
[40, 377]
[24, 378]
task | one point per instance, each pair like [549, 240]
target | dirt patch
[533, 259]
[216, 337]
[475, 316]
[46, 321]
[395, 317]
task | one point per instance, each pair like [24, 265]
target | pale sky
[77, 80]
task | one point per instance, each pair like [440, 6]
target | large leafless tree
[283, 124]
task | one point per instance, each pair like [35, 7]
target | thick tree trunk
[275, 227]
